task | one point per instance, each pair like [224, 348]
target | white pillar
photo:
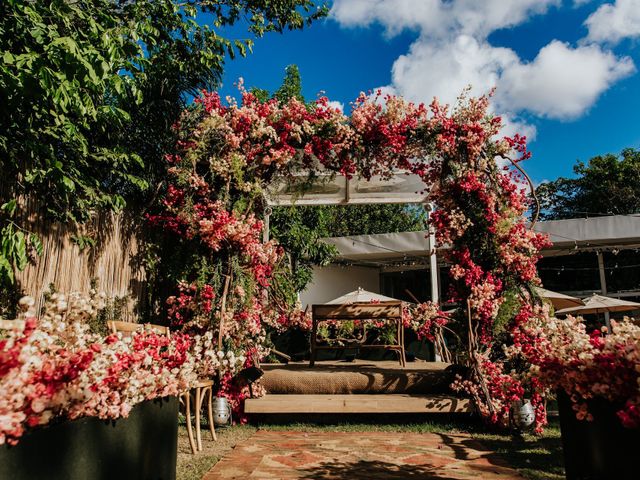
[603, 286]
[265, 226]
[433, 259]
[433, 269]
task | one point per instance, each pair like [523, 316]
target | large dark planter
[599, 450]
[142, 446]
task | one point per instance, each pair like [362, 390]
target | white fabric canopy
[601, 232]
[610, 231]
[382, 246]
[328, 189]
[559, 300]
[601, 304]
[360, 296]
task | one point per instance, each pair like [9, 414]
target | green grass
[193, 467]
[536, 458]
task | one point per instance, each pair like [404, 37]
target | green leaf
[10, 207]
[36, 243]
[20, 251]
[6, 270]
[68, 183]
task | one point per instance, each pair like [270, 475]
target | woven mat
[361, 377]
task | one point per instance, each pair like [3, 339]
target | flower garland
[228, 152]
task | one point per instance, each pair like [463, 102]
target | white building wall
[333, 281]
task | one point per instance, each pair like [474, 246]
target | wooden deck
[362, 403]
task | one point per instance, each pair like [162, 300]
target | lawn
[536, 458]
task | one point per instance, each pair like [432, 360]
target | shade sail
[360, 296]
[615, 231]
[382, 246]
[601, 304]
[559, 300]
[607, 233]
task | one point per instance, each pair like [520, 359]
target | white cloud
[513, 124]
[444, 68]
[452, 51]
[337, 104]
[437, 18]
[561, 82]
[613, 22]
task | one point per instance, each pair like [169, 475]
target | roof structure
[333, 189]
[597, 233]
[383, 246]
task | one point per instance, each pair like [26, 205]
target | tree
[606, 185]
[91, 88]
[291, 87]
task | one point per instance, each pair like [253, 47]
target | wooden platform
[363, 403]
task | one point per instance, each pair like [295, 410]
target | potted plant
[77, 404]
[597, 379]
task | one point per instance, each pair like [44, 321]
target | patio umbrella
[559, 300]
[601, 304]
[360, 296]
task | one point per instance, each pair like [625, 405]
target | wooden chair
[199, 391]
[159, 329]
[127, 328]
[11, 324]
[390, 311]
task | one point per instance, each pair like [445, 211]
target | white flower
[26, 302]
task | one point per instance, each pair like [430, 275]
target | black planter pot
[599, 450]
[142, 446]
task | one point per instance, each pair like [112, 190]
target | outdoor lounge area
[309, 239]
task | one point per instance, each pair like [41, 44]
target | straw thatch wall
[112, 264]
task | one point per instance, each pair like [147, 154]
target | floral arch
[230, 157]
[225, 290]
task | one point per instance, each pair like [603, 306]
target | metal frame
[369, 193]
[359, 311]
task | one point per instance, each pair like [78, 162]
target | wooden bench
[386, 311]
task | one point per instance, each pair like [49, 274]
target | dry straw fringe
[113, 262]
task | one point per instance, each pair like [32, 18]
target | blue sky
[566, 72]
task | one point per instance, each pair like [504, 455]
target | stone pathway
[361, 455]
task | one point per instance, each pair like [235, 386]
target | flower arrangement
[55, 367]
[426, 319]
[600, 364]
[230, 287]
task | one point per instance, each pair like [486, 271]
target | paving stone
[357, 455]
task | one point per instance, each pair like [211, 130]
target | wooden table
[388, 311]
